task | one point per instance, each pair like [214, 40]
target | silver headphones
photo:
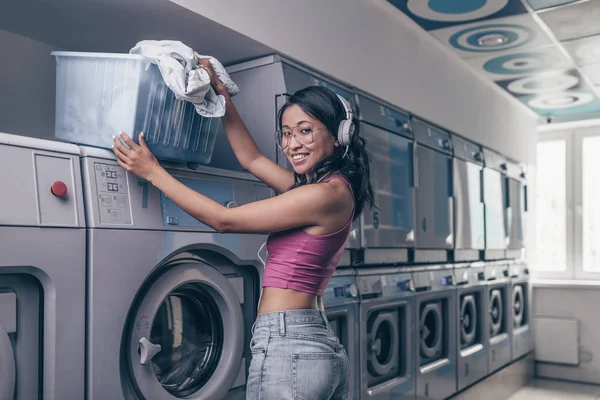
[346, 128]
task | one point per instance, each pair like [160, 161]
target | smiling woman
[308, 226]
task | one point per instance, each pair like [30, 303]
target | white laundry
[178, 65]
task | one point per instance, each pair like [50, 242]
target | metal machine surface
[435, 321]
[341, 306]
[516, 209]
[42, 270]
[389, 229]
[265, 84]
[469, 221]
[498, 292]
[434, 195]
[472, 340]
[170, 302]
[494, 197]
[522, 338]
[387, 334]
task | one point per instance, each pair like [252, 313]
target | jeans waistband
[278, 321]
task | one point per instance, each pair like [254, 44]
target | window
[568, 205]
[551, 206]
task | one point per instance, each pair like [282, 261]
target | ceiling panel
[492, 37]
[584, 51]
[545, 53]
[574, 21]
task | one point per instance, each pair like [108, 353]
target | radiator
[556, 340]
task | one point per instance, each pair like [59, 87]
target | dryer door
[382, 331]
[468, 320]
[431, 332]
[496, 312]
[518, 306]
[187, 338]
[8, 324]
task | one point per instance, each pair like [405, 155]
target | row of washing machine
[109, 291]
[428, 332]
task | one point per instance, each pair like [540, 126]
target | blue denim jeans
[296, 355]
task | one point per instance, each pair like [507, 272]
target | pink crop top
[304, 262]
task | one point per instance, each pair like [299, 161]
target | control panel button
[352, 290]
[59, 189]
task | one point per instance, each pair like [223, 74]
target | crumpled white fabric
[178, 65]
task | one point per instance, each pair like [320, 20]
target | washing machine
[435, 321]
[498, 298]
[386, 334]
[522, 338]
[341, 306]
[472, 343]
[42, 270]
[171, 302]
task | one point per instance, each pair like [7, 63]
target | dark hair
[323, 104]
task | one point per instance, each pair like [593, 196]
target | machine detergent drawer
[56, 190]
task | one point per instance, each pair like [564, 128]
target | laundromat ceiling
[545, 53]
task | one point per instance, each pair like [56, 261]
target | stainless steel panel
[434, 200]
[495, 226]
[392, 225]
[469, 208]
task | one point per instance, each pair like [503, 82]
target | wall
[27, 87]
[373, 46]
[579, 302]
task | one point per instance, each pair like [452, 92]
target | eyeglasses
[303, 134]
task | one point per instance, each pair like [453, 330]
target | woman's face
[305, 140]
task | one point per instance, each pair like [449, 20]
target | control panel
[340, 289]
[385, 117]
[434, 138]
[398, 284]
[494, 160]
[467, 151]
[469, 276]
[497, 272]
[112, 194]
[519, 271]
[439, 279]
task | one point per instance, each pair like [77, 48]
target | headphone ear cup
[345, 132]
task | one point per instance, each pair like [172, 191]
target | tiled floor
[542, 389]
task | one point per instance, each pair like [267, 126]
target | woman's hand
[215, 82]
[138, 160]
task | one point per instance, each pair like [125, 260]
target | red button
[59, 189]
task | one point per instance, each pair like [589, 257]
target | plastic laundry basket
[100, 94]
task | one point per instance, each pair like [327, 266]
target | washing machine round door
[518, 305]
[382, 343]
[7, 366]
[468, 319]
[496, 312]
[431, 331]
[188, 335]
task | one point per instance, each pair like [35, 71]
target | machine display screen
[338, 291]
[111, 174]
[112, 187]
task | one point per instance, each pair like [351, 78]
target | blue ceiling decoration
[437, 14]
[545, 53]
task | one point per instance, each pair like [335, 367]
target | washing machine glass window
[384, 344]
[432, 332]
[469, 332]
[189, 330]
[519, 309]
[496, 312]
[186, 332]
